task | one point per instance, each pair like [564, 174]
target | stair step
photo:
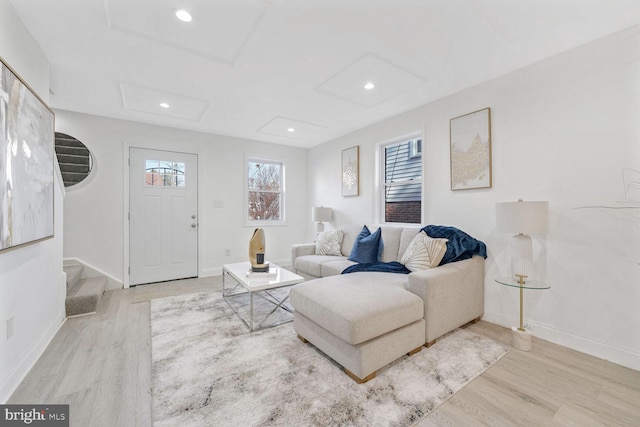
[74, 275]
[85, 297]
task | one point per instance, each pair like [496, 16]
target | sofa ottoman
[363, 323]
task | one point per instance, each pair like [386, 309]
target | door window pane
[160, 173]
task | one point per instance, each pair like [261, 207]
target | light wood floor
[101, 365]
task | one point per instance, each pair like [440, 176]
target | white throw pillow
[329, 243]
[424, 252]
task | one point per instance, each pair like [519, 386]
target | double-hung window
[264, 191]
[401, 180]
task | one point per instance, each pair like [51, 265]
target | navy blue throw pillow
[368, 247]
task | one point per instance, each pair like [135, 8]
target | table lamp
[320, 215]
[522, 218]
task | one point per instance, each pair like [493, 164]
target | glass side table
[521, 338]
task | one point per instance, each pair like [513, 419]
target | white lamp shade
[321, 214]
[522, 217]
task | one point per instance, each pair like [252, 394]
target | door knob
[194, 225]
[193, 216]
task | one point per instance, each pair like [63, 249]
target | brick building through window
[402, 164]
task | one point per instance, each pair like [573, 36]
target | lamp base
[521, 340]
[319, 227]
[521, 256]
[260, 268]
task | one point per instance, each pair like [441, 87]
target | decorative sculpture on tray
[256, 251]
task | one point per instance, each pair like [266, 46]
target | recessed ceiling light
[164, 105]
[369, 86]
[183, 15]
[291, 130]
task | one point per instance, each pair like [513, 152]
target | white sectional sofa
[365, 320]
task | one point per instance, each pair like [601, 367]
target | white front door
[163, 216]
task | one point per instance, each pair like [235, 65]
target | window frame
[248, 222]
[415, 149]
[380, 199]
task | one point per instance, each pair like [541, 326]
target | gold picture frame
[350, 171]
[470, 150]
[27, 168]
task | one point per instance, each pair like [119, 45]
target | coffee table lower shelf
[273, 290]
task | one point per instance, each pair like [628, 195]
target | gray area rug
[208, 370]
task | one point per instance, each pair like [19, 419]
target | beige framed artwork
[350, 171]
[470, 147]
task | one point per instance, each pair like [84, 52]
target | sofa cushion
[396, 238]
[335, 267]
[391, 235]
[312, 264]
[329, 242]
[359, 307]
[408, 234]
[367, 247]
[351, 231]
[424, 252]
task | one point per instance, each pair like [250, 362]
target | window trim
[413, 148]
[93, 165]
[379, 198]
[264, 223]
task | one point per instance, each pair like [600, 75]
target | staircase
[83, 294]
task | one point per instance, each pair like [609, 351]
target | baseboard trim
[208, 272]
[92, 271]
[23, 366]
[81, 314]
[617, 355]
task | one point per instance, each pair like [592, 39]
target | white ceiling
[255, 68]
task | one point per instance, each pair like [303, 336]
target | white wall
[32, 288]
[94, 213]
[563, 131]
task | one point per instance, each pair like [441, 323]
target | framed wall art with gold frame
[26, 163]
[470, 150]
[350, 171]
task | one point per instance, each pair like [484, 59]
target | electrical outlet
[227, 252]
[9, 328]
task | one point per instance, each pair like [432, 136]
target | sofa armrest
[301, 249]
[453, 294]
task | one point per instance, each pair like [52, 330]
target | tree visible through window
[402, 181]
[264, 190]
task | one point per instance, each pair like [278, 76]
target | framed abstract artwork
[470, 148]
[350, 171]
[26, 163]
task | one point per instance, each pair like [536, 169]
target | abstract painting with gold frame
[470, 147]
[350, 171]
[26, 163]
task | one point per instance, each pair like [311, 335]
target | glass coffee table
[240, 286]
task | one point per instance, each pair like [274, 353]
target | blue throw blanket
[460, 245]
[385, 267]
